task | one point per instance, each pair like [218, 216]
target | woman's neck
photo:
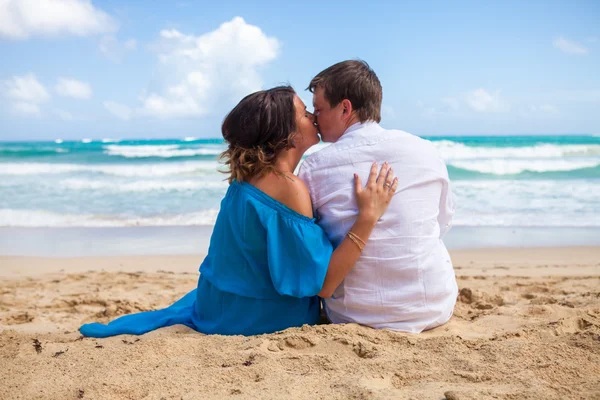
[288, 160]
[285, 165]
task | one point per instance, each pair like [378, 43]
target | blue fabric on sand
[265, 265]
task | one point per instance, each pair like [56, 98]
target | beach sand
[526, 326]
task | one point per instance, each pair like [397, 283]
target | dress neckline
[270, 201]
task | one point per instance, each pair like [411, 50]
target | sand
[526, 326]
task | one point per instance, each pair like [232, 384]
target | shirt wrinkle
[404, 279]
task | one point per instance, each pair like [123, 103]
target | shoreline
[493, 262]
[185, 240]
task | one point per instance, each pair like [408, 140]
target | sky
[75, 69]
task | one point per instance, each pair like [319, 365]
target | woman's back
[252, 232]
[265, 261]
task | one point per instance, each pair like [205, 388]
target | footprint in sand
[293, 341]
[18, 318]
[543, 300]
[575, 324]
[300, 342]
[364, 350]
[480, 301]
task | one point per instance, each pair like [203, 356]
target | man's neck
[353, 125]
[351, 121]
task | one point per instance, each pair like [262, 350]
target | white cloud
[130, 44]
[568, 46]
[202, 73]
[539, 111]
[114, 50]
[452, 103]
[592, 39]
[73, 88]
[21, 19]
[26, 88]
[574, 96]
[64, 115]
[426, 111]
[119, 110]
[26, 93]
[464, 105]
[22, 107]
[429, 113]
[481, 100]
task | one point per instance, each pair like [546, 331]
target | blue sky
[127, 69]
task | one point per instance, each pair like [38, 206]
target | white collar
[354, 127]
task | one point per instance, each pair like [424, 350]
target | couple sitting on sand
[373, 253]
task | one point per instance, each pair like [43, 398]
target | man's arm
[446, 204]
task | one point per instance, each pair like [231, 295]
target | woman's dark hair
[257, 130]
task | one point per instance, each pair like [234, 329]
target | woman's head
[261, 127]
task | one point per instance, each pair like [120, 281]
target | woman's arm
[345, 256]
[372, 202]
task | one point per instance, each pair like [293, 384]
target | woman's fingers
[384, 179]
[373, 199]
[357, 184]
[394, 186]
[389, 179]
[372, 175]
[383, 174]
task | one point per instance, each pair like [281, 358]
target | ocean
[499, 181]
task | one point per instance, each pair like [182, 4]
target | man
[404, 279]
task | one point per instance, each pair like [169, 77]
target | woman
[268, 260]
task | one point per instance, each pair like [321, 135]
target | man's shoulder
[318, 155]
[399, 140]
[406, 137]
[323, 157]
[384, 141]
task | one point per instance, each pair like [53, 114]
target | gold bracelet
[360, 247]
[354, 238]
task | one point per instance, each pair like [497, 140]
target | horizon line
[196, 139]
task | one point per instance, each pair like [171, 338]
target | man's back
[404, 279]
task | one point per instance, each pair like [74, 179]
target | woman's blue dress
[265, 265]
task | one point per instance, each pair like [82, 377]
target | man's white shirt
[404, 279]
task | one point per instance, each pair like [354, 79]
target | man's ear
[346, 107]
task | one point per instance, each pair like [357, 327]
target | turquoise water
[534, 181]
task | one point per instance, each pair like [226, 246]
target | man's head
[343, 94]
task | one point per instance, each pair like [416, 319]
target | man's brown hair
[353, 80]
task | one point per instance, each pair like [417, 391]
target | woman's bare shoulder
[297, 197]
[288, 190]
